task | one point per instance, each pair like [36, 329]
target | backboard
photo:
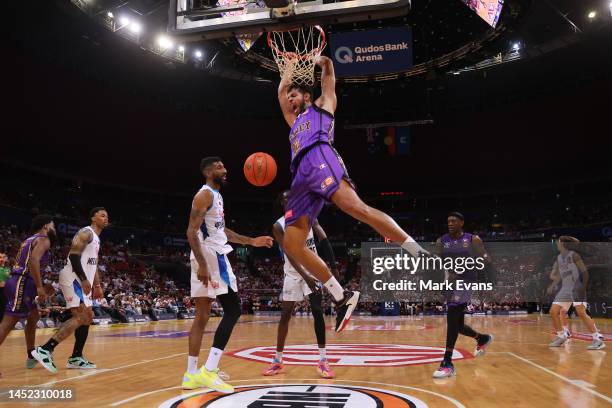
[206, 19]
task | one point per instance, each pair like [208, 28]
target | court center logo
[372, 355]
[344, 55]
[296, 396]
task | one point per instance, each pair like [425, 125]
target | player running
[459, 244]
[569, 270]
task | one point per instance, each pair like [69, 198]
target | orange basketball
[260, 169]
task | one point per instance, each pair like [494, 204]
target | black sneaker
[482, 344]
[344, 309]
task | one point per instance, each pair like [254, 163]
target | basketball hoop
[295, 52]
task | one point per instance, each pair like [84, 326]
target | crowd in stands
[134, 285]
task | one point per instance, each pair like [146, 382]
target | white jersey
[310, 243]
[570, 275]
[212, 232]
[89, 260]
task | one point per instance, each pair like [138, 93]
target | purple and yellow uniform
[316, 167]
[20, 289]
[461, 247]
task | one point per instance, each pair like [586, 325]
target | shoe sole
[222, 391]
[444, 376]
[349, 311]
[72, 367]
[38, 358]
[486, 345]
[191, 388]
[273, 373]
[603, 346]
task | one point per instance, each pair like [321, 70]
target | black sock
[30, 354]
[448, 356]
[454, 322]
[80, 336]
[50, 345]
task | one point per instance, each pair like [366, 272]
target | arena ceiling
[87, 102]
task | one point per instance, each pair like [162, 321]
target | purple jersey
[23, 257]
[312, 126]
[461, 247]
[455, 248]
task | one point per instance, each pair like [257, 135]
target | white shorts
[295, 289]
[218, 266]
[71, 289]
[74, 295]
[566, 305]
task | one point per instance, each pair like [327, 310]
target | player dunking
[76, 280]
[319, 175]
[212, 276]
[569, 270]
[25, 282]
[458, 243]
[297, 285]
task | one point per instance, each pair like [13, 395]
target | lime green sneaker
[222, 374]
[194, 381]
[45, 358]
[211, 379]
[31, 363]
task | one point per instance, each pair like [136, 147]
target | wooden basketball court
[141, 365]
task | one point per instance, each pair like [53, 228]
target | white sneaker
[597, 344]
[557, 342]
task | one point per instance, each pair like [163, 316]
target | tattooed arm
[79, 242]
[200, 205]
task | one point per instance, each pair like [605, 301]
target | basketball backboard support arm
[208, 23]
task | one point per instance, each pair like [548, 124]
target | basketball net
[296, 52]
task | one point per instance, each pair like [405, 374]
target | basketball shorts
[316, 178]
[72, 290]
[295, 289]
[20, 294]
[566, 305]
[221, 275]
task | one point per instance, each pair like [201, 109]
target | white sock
[322, 353]
[566, 329]
[334, 288]
[192, 365]
[596, 336]
[279, 356]
[412, 246]
[213, 359]
[561, 334]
